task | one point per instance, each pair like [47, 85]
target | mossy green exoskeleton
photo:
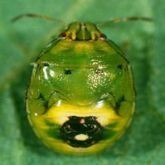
[81, 96]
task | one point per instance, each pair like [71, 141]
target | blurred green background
[143, 42]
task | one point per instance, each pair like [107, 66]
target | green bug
[81, 96]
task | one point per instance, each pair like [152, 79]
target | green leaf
[143, 42]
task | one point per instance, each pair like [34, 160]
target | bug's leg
[126, 19]
[32, 15]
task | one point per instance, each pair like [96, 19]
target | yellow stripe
[59, 115]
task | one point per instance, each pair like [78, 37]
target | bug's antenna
[31, 15]
[126, 19]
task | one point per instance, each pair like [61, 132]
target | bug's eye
[67, 71]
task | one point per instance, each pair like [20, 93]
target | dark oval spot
[67, 71]
[45, 63]
[120, 66]
[90, 127]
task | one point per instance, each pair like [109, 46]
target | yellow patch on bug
[60, 114]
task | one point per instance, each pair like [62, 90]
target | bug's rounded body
[81, 96]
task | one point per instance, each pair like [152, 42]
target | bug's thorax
[82, 31]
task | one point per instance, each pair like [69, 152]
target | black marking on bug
[52, 129]
[67, 71]
[45, 64]
[45, 103]
[119, 102]
[110, 130]
[40, 67]
[120, 66]
[88, 126]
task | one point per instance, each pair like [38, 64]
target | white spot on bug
[97, 76]
[100, 104]
[102, 38]
[45, 68]
[58, 103]
[100, 67]
[81, 137]
[35, 114]
[52, 73]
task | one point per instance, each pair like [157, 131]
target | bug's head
[82, 31]
[81, 131]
